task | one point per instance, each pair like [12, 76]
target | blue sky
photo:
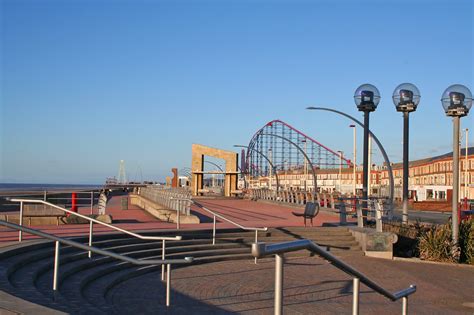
[85, 84]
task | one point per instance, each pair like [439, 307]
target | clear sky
[85, 84]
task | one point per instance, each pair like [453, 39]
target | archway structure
[199, 151]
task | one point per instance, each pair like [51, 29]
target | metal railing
[220, 216]
[58, 240]
[91, 227]
[171, 198]
[374, 208]
[260, 250]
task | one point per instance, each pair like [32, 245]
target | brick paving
[312, 286]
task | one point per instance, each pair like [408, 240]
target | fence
[172, 198]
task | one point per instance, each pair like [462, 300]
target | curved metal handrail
[99, 251]
[156, 238]
[260, 250]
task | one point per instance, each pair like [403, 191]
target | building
[429, 178]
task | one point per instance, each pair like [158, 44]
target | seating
[311, 210]
[39, 211]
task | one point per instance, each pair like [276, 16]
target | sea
[5, 187]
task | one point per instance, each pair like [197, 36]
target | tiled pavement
[312, 286]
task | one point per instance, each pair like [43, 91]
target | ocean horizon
[42, 186]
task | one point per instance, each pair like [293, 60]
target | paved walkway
[245, 212]
[312, 286]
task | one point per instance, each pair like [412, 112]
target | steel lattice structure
[285, 155]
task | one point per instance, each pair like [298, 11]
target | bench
[39, 210]
[311, 210]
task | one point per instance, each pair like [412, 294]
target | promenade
[312, 285]
[245, 212]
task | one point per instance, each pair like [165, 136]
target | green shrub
[466, 241]
[436, 244]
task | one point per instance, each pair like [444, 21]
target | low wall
[160, 212]
[373, 243]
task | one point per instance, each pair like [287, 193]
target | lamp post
[366, 98]
[456, 101]
[354, 163]
[406, 98]
[466, 182]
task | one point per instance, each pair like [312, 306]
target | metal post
[466, 182]
[20, 233]
[279, 284]
[256, 241]
[355, 163]
[44, 195]
[90, 237]
[378, 217]
[163, 253]
[92, 200]
[405, 305]
[56, 266]
[365, 174]
[168, 284]
[360, 219]
[355, 296]
[454, 214]
[405, 167]
[342, 212]
[214, 232]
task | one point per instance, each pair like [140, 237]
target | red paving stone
[245, 212]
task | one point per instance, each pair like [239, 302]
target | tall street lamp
[406, 98]
[354, 161]
[456, 101]
[466, 182]
[366, 97]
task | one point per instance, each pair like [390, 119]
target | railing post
[360, 218]
[92, 201]
[355, 296]
[404, 305]
[44, 195]
[90, 237]
[378, 217]
[256, 241]
[56, 266]
[163, 253]
[168, 284]
[279, 284]
[214, 232]
[342, 212]
[20, 233]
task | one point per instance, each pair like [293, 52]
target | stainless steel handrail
[217, 215]
[91, 229]
[58, 240]
[97, 221]
[260, 250]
